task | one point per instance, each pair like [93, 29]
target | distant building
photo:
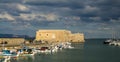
[11, 41]
[58, 36]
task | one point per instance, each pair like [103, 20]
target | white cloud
[51, 17]
[115, 21]
[88, 9]
[22, 7]
[5, 15]
[17, 6]
[39, 16]
[27, 16]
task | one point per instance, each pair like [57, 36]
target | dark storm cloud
[89, 16]
[11, 1]
[105, 9]
[13, 9]
[41, 24]
[108, 9]
[58, 3]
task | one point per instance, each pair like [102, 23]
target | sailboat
[113, 41]
[107, 41]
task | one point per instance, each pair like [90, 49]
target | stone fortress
[52, 36]
[49, 36]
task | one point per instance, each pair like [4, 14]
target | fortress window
[5, 42]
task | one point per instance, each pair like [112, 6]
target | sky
[94, 18]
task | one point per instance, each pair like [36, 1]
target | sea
[93, 50]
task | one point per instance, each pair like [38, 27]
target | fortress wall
[58, 36]
[77, 37]
[52, 35]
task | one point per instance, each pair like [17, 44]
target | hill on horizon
[15, 36]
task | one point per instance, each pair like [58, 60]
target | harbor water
[93, 50]
[96, 51]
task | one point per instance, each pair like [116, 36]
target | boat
[107, 41]
[67, 45]
[9, 53]
[43, 50]
[26, 52]
[6, 55]
[115, 43]
[112, 42]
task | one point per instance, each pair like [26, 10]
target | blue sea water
[93, 50]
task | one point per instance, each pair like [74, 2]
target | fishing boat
[43, 50]
[26, 52]
[9, 53]
[6, 55]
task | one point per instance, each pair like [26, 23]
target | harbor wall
[11, 41]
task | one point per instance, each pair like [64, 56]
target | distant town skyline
[94, 18]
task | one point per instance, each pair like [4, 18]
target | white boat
[26, 52]
[115, 43]
[67, 45]
[108, 41]
[43, 50]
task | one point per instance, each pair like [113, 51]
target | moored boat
[115, 43]
[107, 41]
